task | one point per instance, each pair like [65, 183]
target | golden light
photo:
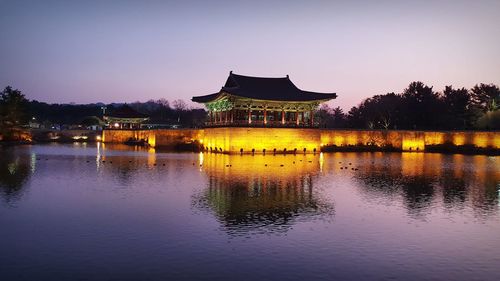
[459, 139]
[200, 159]
[116, 125]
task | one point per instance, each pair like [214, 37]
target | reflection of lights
[98, 155]
[200, 159]
[12, 167]
[321, 160]
[33, 162]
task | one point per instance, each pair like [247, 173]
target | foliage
[12, 108]
[486, 96]
[420, 107]
[416, 107]
[490, 120]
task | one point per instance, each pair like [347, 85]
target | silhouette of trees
[486, 96]
[458, 105]
[331, 117]
[420, 107]
[416, 107]
[12, 107]
[377, 112]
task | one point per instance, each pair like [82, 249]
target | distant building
[124, 117]
[258, 101]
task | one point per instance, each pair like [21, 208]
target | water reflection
[15, 171]
[424, 181]
[263, 194]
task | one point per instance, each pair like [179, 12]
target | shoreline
[196, 147]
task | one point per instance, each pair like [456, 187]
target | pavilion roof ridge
[265, 88]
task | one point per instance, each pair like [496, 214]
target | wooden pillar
[283, 116]
[249, 115]
[311, 117]
[297, 118]
[302, 116]
[225, 116]
[232, 116]
[210, 117]
[265, 115]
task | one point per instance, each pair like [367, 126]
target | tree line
[16, 110]
[419, 107]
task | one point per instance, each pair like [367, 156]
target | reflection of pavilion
[261, 193]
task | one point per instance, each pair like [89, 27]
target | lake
[111, 212]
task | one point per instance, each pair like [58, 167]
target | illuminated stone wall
[163, 138]
[408, 140]
[232, 140]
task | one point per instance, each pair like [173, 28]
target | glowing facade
[266, 102]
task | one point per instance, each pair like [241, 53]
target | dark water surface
[94, 212]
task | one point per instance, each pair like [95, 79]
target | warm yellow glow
[481, 140]
[152, 140]
[412, 164]
[458, 138]
[434, 138]
[233, 140]
[151, 157]
[117, 125]
[413, 145]
[98, 138]
[278, 167]
[200, 159]
[321, 161]
[413, 141]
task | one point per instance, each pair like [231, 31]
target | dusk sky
[126, 51]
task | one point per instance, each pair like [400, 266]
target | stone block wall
[248, 139]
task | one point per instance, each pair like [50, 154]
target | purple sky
[125, 51]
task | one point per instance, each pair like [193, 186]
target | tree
[339, 118]
[486, 96]
[421, 106]
[380, 111]
[457, 104]
[12, 107]
[179, 105]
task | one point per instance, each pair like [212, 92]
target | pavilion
[125, 117]
[262, 102]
